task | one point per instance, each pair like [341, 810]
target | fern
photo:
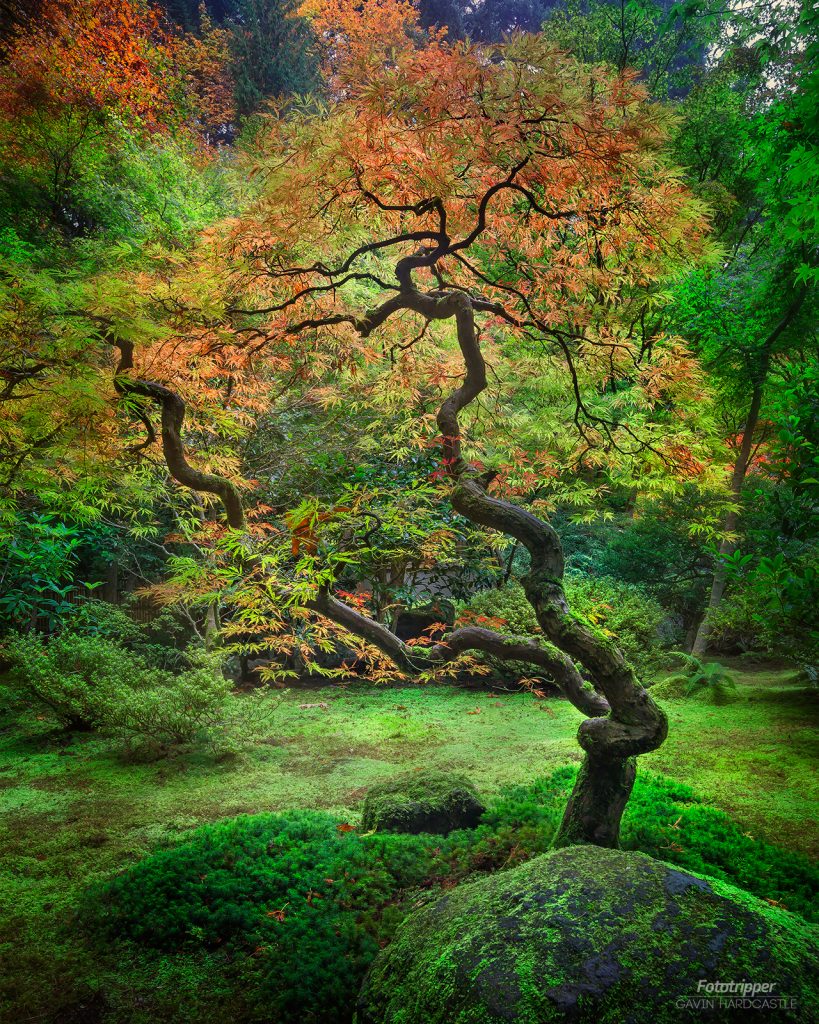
[699, 676]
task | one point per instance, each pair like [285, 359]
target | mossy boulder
[422, 802]
[591, 935]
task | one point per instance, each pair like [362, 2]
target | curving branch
[173, 447]
[413, 660]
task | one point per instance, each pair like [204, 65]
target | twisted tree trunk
[635, 724]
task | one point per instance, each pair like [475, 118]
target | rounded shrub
[588, 935]
[158, 643]
[624, 612]
[298, 904]
[89, 682]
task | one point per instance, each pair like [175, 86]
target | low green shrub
[625, 613]
[74, 678]
[158, 642]
[505, 608]
[291, 908]
[667, 820]
[89, 682]
[297, 904]
[621, 610]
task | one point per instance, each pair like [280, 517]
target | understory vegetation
[104, 849]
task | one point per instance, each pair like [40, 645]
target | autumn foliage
[539, 185]
[100, 58]
[91, 54]
[354, 37]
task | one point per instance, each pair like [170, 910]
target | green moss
[422, 802]
[755, 761]
[587, 935]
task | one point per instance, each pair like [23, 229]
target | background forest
[312, 317]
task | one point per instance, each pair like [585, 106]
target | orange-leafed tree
[353, 35]
[356, 40]
[85, 77]
[89, 55]
[457, 204]
[202, 62]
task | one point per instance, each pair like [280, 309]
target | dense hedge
[295, 905]
[90, 682]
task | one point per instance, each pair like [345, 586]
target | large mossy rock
[422, 802]
[586, 934]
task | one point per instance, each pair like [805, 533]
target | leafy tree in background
[491, 20]
[188, 13]
[89, 99]
[743, 80]
[667, 51]
[204, 63]
[271, 52]
[742, 323]
[761, 308]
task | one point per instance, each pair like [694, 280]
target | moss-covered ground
[74, 810]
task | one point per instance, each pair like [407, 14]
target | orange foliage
[446, 155]
[354, 35]
[93, 55]
[100, 57]
[204, 63]
[305, 533]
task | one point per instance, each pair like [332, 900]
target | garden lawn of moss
[73, 812]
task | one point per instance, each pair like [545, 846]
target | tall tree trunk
[211, 625]
[728, 545]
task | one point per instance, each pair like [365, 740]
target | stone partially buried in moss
[591, 935]
[422, 802]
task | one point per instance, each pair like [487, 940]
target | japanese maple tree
[510, 197]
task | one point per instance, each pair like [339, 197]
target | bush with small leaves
[89, 682]
[157, 642]
[297, 903]
[75, 678]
